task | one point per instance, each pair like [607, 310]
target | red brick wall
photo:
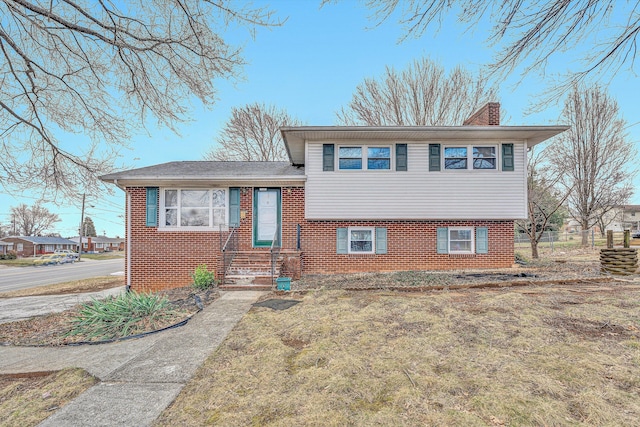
[166, 259]
[411, 245]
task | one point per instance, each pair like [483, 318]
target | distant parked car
[66, 259]
[49, 259]
[67, 252]
[635, 234]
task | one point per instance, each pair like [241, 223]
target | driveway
[13, 278]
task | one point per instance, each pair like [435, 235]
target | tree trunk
[534, 249]
[585, 234]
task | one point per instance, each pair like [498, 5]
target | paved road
[13, 278]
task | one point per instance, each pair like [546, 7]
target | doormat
[277, 304]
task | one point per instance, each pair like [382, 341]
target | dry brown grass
[538, 355]
[27, 399]
[77, 286]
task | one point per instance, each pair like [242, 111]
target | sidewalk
[140, 377]
[19, 308]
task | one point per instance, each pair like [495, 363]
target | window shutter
[507, 157]
[401, 157]
[234, 207]
[152, 206]
[342, 241]
[434, 157]
[381, 240]
[328, 157]
[442, 246]
[482, 240]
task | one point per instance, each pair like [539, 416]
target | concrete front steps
[251, 270]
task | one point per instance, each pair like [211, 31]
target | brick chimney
[488, 115]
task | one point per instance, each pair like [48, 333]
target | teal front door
[266, 215]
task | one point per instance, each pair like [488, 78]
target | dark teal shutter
[401, 157]
[342, 241]
[482, 240]
[507, 157]
[442, 245]
[381, 240]
[434, 157]
[234, 207]
[152, 206]
[327, 157]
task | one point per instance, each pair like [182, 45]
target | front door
[266, 215]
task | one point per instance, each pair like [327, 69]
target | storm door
[266, 215]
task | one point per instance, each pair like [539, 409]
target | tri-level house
[350, 199]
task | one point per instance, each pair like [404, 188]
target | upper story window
[350, 158]
[193, 207]
[475, 157]
[363, 157]
[484, 157]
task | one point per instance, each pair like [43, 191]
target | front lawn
[535, 355]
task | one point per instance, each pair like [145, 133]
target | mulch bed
[50, 330]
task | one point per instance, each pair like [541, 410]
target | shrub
[11, 255]
[120, 316]
[203, 278]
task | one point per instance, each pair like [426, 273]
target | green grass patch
[20, 262]
[102, 256]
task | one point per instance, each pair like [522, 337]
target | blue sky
[310, 67]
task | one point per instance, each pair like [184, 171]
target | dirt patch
[52, 329]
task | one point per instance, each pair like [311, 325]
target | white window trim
[469, 148]
[473, 240]
[365, 157]
[373, 240]
[178, 227]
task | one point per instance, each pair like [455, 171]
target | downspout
[128, 231]
[128, 241]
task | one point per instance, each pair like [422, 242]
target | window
[350, 158]
[361, 240]
[193, 207]
[378, 158]
[363, 157]
[460, 240]
[455, 158]
[20, 247]
[482, 157]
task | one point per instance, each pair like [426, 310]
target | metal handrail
[229, 249]
[276, 245]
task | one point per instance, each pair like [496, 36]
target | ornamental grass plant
[123, 315]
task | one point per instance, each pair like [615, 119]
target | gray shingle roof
[43, 240]
[209, 170]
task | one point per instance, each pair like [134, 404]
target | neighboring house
[99, 244]
[351, 199]
[624, 217]
[5, 247]
[26, 246]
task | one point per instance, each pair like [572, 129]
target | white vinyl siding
[417, 193]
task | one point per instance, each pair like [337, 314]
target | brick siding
[166, 259]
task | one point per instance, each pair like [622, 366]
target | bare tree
[421, 95]
[102, 69]
[253, 134]
[531, 32]
[544, 202]
[594, 156]
[34, 220]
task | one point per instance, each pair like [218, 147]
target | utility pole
[80, 228]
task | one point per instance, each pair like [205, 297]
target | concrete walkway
[20, 308]
[140, 377]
